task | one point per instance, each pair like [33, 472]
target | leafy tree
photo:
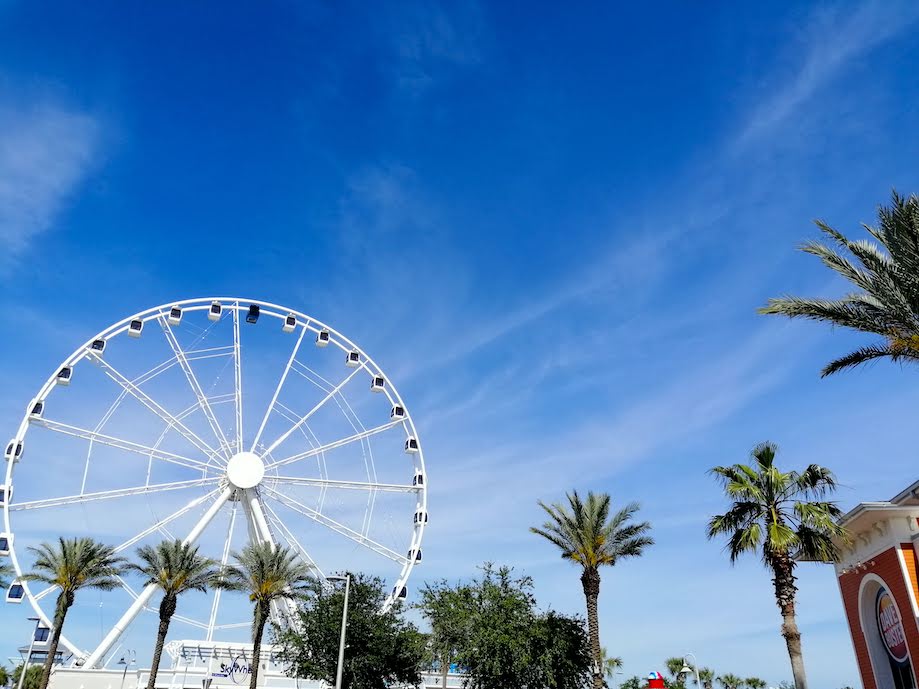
[729, 681]
[176, 568]
[4, 676]
[886, 278]
[383, 649]
[269, 574]
[755, 683]
[32, 680]
[634, 682]
[494, 632]
[72, 564]
[782, 516]
[588, 536]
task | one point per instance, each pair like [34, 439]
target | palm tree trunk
[261, 617]
[785, 589]
[167, 610]
[590, 580]
[64, 601]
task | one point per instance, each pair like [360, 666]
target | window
[42, 634]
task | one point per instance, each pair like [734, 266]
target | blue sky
[551, 227]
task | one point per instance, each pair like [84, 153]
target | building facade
[877, 578]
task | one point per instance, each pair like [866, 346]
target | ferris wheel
[217, 421]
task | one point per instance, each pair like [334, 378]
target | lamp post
[344, 626]
[25, 663]
[129, 658]
[694, 667]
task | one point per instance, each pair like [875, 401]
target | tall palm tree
[269, 574]
[729, 681]
[755, 683]
[588, 536]
[176, 568]
[886, 277]
[72, 564]
[782, 516]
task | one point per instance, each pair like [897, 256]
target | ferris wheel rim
[237, 305]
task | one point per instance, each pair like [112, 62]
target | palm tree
[72, 564]
[707, 677]
[755, 683]
[4, 676]
[5, 573]
[729, 681]
[674, 667]
[589, 537]
[269, 574]
[176, 568]
[886, 278]
[781, 515]
[608, 665]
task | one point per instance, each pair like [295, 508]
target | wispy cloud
[834, 38]
[44, 154]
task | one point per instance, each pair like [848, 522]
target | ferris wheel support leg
[96, 657]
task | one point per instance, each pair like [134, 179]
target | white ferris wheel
[218, 421]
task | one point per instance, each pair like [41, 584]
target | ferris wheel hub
[245, 470]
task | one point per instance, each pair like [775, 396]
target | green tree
[72, 564]
[729, 681]
[496, 634]
[782, 516]
[886, 280]
[4, 676]
[32, 680]
[269, 574]
[634, 682]
[176, 568]
[588, 536]
[707, 677]
[755, 683]
[674, 666]
[383, 649]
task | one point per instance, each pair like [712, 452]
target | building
[877, 578]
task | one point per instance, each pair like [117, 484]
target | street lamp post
[129, 658]
[694, 667]
[25, 663]
[344, 627]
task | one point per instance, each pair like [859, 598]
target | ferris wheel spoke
[120, 443]
[166, 520]
[353, 485]
[277, 391]
[211, 623]
[337, 527]
[110, 494]
[148, 402]
[312, 452]
[292, 541]
[182, 358]
[45, 591]
[303, 419]
[238, 378]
